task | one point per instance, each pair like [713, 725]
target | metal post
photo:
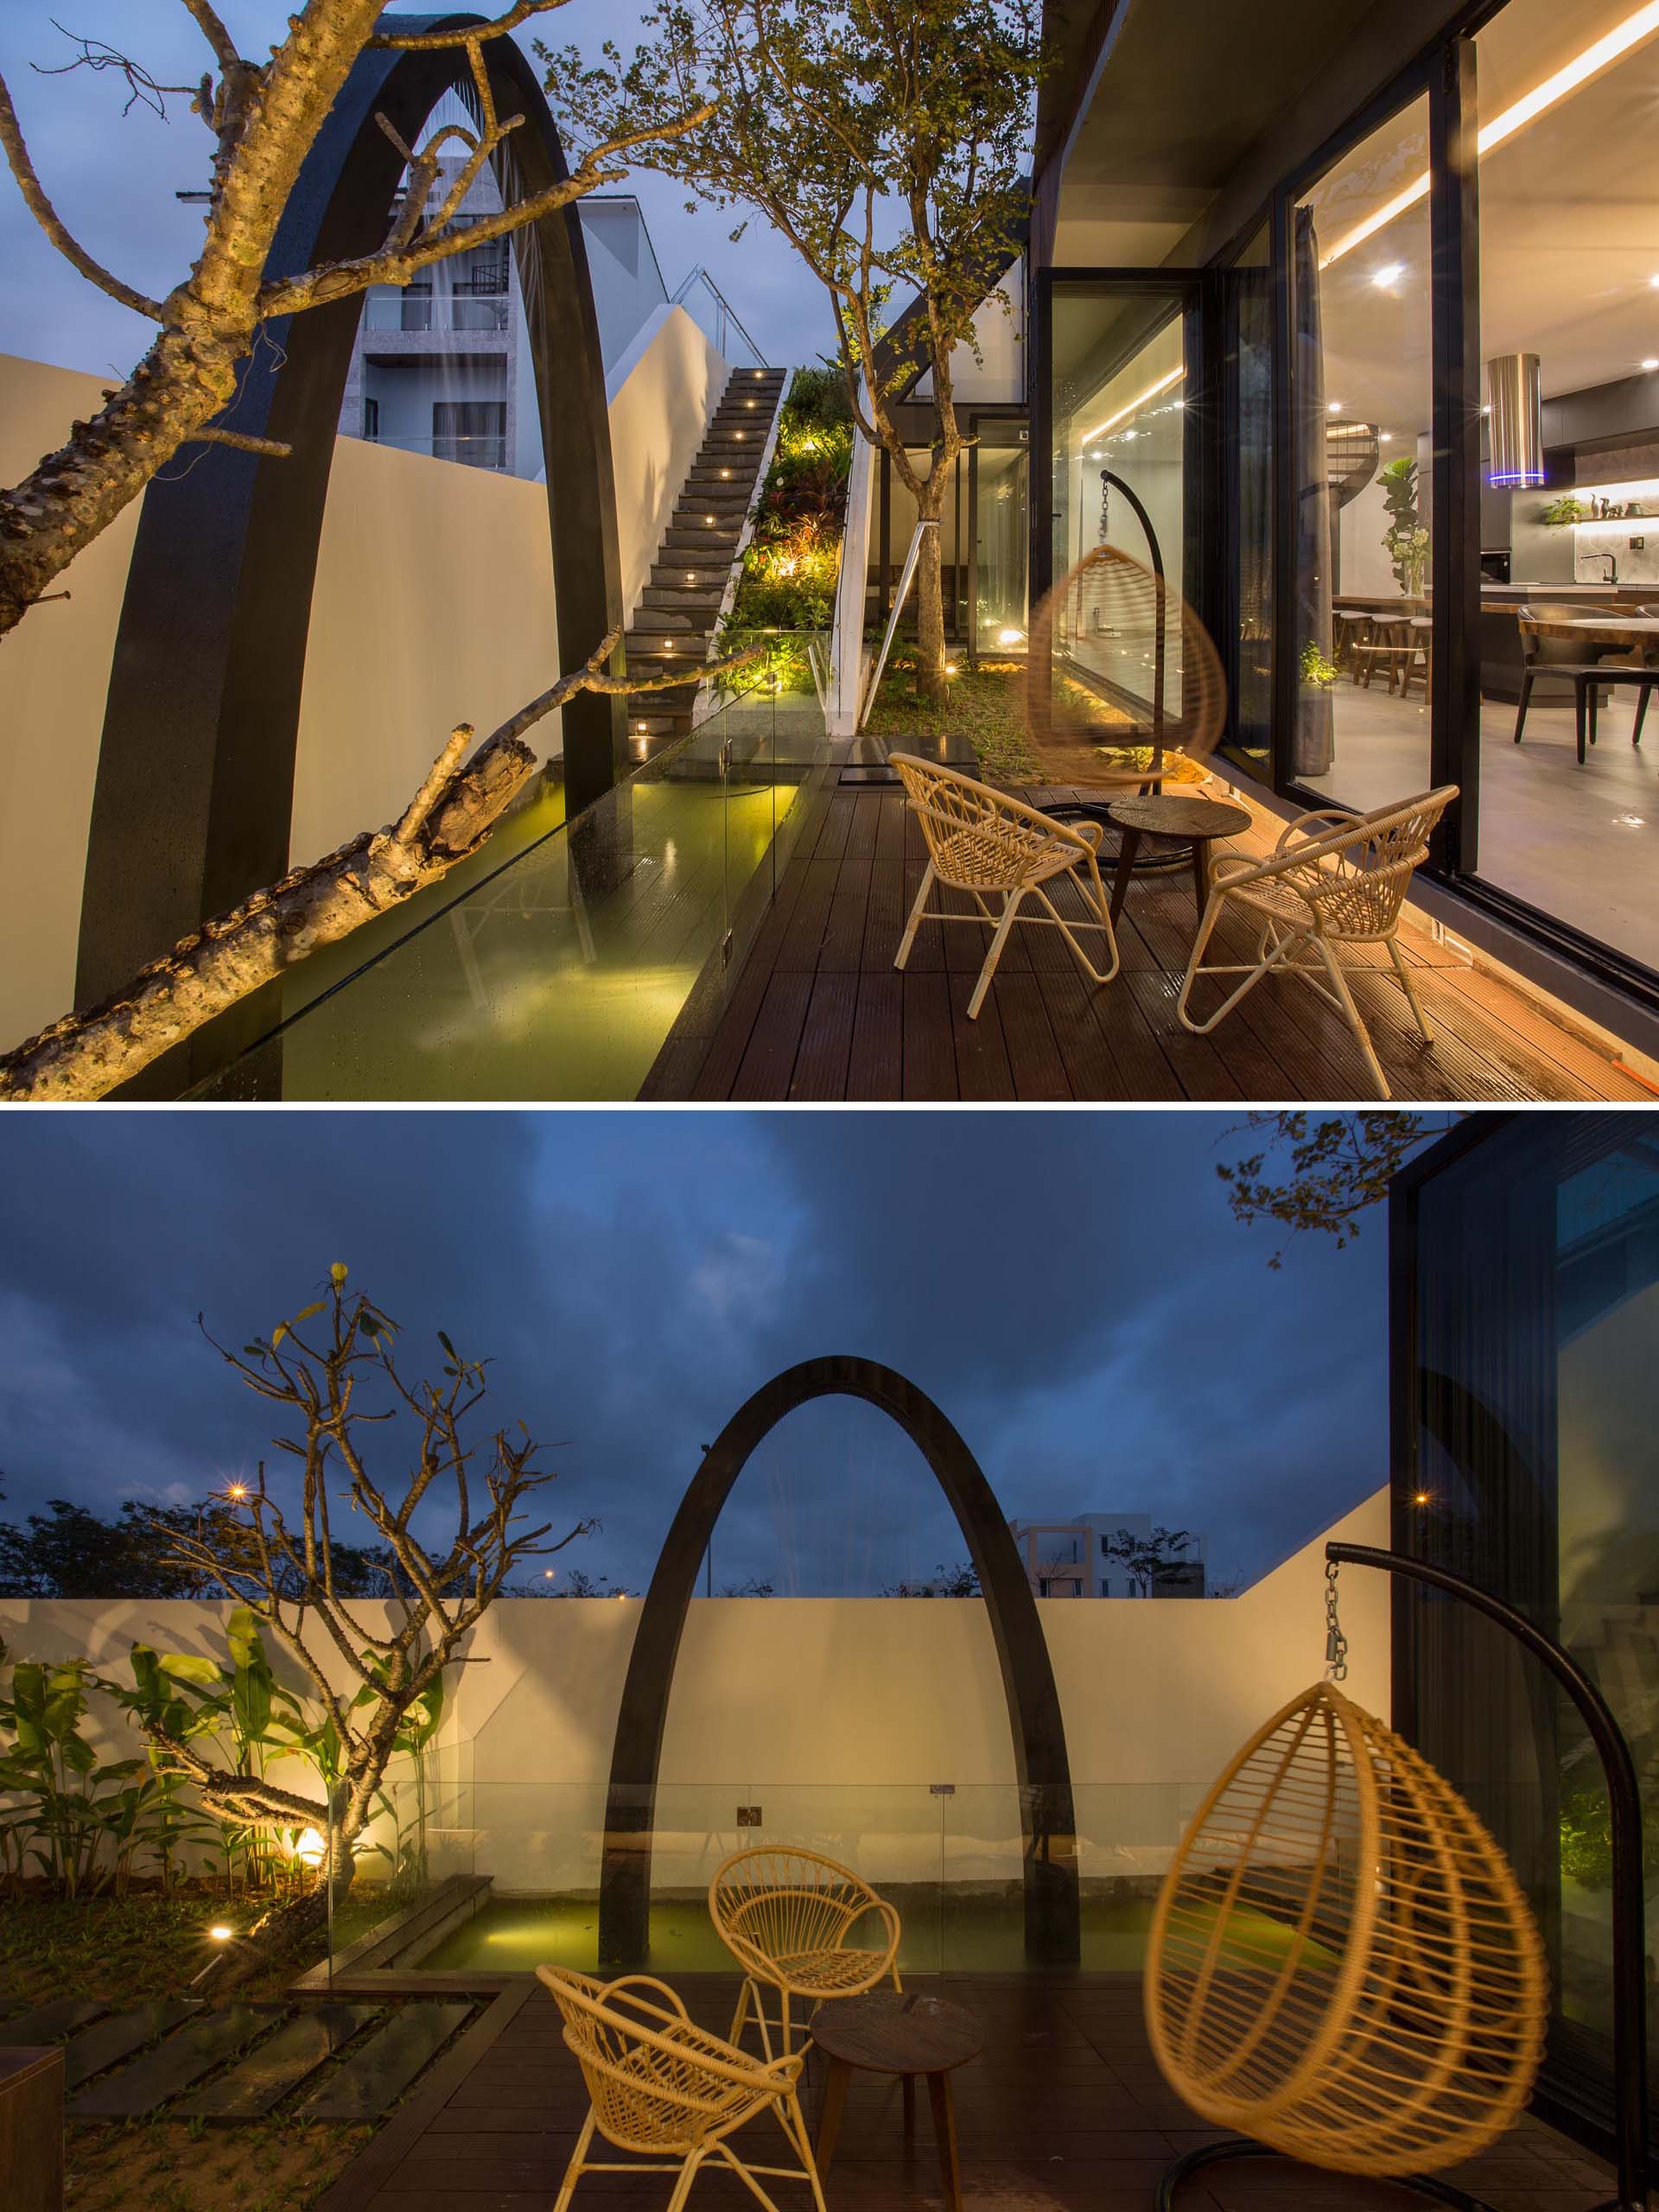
[1624, 1808]
[900, 596]
[1107, 476]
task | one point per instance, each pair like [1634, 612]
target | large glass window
[1362, 405]
[1248, 456]
[1569, 263]
[1119, 370]
[1530, 1465]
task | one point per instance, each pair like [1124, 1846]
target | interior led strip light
[1631, 32]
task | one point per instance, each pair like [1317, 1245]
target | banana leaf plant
[73, 1803]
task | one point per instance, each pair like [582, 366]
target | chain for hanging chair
[1336, 1644]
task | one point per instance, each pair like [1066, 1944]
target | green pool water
[556, 977]
[967, 1934]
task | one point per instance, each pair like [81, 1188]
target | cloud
[1070, 1288]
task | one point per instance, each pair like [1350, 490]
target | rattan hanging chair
[1123, 686]
[1342, 1966]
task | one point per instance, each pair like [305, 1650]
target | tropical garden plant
[279, 1776]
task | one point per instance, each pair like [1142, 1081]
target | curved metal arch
[1040, 1762]
[193, 805]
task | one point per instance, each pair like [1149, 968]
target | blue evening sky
[1071, 1288]
[112, 180]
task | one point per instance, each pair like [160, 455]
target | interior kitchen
[1569, 91]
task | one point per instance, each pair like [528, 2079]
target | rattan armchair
[668, 2090]
[981, 842]
[1336, 878]
[785, 1916]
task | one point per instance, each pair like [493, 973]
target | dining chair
[1553, 655]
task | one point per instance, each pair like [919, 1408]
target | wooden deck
[1064, 2111]
[818, 1011]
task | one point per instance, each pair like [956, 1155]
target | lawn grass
[125, 1951]
[985, 705]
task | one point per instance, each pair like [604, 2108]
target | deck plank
[1044, 1034]
[174, 2065]
[1064, 2107]
[374, 2076]
[266, 2076]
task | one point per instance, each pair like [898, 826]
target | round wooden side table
[887, 2033]
[1197, 822]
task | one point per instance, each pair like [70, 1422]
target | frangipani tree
[263, 117]
[333, 1371]
[888, 141]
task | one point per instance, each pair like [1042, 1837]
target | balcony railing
[428, 311]
[473, 449]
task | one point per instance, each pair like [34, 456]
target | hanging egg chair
[1123, 687]
[1342, 1966]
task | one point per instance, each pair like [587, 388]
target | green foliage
[793, 557]
[1564, 510]
[1587, 1839]
[1405, 540]
[1316, 668]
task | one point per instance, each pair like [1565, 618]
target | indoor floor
[1580, 843]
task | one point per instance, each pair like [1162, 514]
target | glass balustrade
[555, 962]
[491, 1878]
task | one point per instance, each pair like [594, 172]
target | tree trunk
[279, 1932]
[86, 1055]
[76, 492]
[930, 615]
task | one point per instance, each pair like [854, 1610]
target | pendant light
[1515, 394]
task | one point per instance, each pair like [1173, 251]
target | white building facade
[1084, 1557]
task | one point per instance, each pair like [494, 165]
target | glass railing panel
[540, 1849]
[559, 972]
[1126, 1834]
[983, 1916]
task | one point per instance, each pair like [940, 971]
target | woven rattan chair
[981, 842]
[668, 2090]
[1336, 878]
[785, 1916]
[1341, 1964]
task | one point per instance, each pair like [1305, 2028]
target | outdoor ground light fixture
[1515, 394]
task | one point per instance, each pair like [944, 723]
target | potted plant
[1565, 510]
[1405, 540]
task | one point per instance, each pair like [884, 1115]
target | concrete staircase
[674, 621]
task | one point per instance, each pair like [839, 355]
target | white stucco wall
[835, 1715]
[55, 672]
[661, 393]
[434, 604]
[999, 373]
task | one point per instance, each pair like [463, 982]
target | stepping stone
[364, 2085]
[266, 2076]
[116, 2038]
[53, 2022]
[161, 2073]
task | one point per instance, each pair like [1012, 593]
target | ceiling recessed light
[1385, 437]
[1335, 407]
[1651, 362]
[1390, 273]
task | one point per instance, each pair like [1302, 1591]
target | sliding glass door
[1527, 1458]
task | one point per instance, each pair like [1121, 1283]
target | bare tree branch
[214, 32]
[241, 440]
[434, 41]
[51, 222]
